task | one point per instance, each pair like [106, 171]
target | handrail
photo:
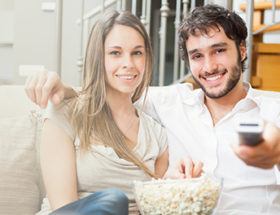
[97, 10]
[185, 13]
[176, 45]
[273, 9]
[249, 19]
[148, 17]
[59, 36]
[80, 60]
[143, 16]
[163, 29]
[133, 8]
[266, 27]
[261, 5]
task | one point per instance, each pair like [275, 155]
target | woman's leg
[111, 201]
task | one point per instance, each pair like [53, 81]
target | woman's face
[125, 58]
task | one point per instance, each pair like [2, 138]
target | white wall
[32, 34]
[6, 40]
[6, 5]
[70, 42]
[34, 38]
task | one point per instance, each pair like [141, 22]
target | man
[200, 122]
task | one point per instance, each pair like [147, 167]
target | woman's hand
[185, 168]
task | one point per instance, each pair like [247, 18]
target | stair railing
[251, 32]
[249, 20]
[179, 71]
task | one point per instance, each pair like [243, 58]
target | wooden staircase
[265, 72]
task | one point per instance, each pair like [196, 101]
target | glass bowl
[196, 196]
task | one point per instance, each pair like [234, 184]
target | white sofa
[21, 187]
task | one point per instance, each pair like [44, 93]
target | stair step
[267, 71]
[261, 5]
[271, 28]
[268, 48]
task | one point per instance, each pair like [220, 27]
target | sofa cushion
[20, 180]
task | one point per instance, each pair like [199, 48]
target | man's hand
[185, 168]
[42, 86]
[266, 154]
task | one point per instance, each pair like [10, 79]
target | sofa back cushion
[20, 181]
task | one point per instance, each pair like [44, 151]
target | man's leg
[111, 201]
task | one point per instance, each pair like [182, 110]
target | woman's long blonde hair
[91, 116]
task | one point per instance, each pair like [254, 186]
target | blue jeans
[111, 201]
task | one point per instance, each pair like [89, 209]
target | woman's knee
[111, 201]
[115, 201]
[115, 194]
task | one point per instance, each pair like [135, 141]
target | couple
[102, 120]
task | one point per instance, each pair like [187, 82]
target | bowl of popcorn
[196, 196]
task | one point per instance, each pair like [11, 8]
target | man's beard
[235, 76]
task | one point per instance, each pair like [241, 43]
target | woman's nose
[127, 61]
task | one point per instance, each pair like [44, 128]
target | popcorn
[198, 196]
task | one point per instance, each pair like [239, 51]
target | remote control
[249, 130]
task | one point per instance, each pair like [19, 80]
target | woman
[98, 139]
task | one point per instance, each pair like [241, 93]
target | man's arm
[42, 86]
[265, 155]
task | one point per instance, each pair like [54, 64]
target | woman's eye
[115, 53]
[137, 53]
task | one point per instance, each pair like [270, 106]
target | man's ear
[242, 48]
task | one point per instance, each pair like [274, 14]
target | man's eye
[137, 53]
[115, 53]
[197, 56]
[220, 50]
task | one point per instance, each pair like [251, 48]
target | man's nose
[210, 64]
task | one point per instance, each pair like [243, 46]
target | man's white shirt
[247, 190]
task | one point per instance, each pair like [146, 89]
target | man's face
[214, 62]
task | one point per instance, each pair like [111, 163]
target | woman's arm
[58, 164]
[161, 164]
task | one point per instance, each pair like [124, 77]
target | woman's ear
[242, 48]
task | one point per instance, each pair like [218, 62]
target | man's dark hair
[209, 16]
